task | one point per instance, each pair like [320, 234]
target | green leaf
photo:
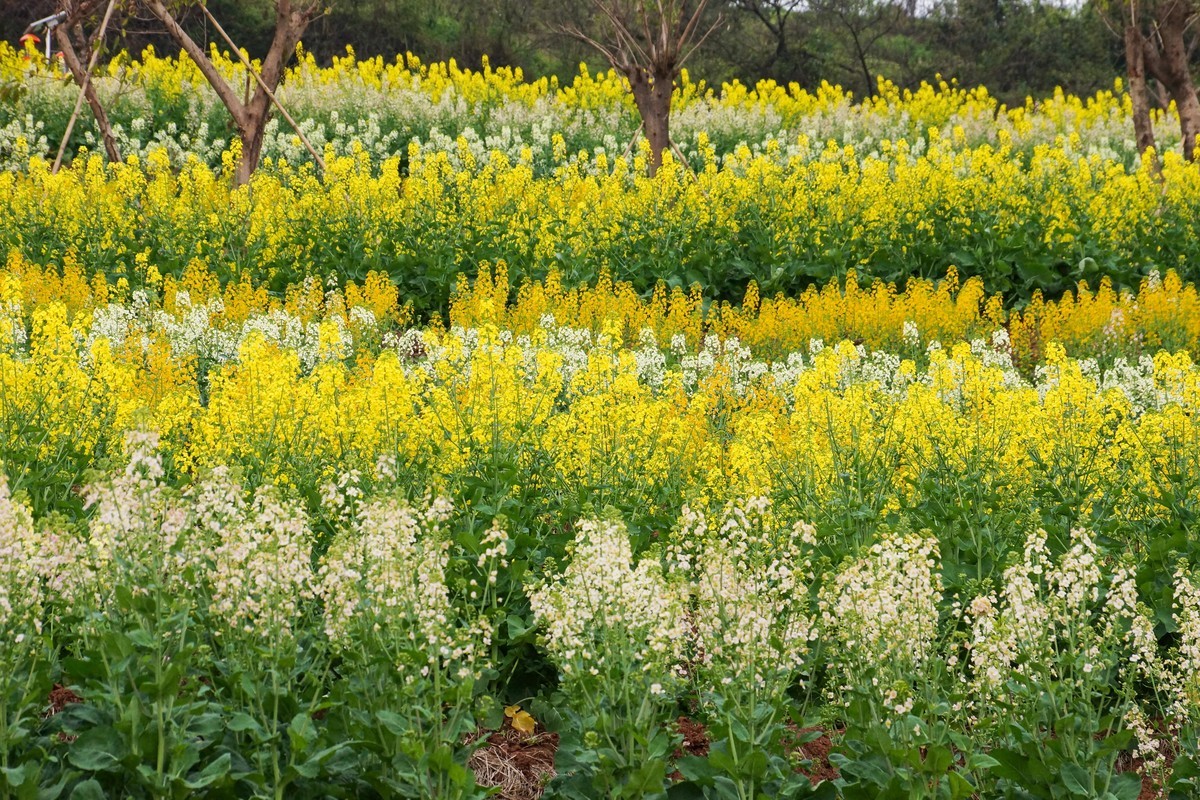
[211, 774]
[14, 776]
[312, 767]
[1009, 765]
[685, 791]
[393, 722]
[301, 732]
[516, 626]
[938, 759]
[141, 638]
[89, 790]
[979, 761]
[1076, 779]
[97, 750]
[960, 787]
[872, 769]
[243, 722]
[695, 768]
[1126, 786]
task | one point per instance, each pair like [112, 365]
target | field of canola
[858, 458]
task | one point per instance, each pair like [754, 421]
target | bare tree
[648, 41]
[775, 16]
[1159, 40]
[865, 23]
[251, 115]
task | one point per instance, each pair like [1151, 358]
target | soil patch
[60, 697]
[815, 754]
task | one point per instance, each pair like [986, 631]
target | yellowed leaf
[522, 721]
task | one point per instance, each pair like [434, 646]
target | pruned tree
[648, 41]
[1159, 41]
[250, 115]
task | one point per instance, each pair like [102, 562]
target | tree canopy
[1014, 47]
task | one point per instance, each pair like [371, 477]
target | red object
[30, 36]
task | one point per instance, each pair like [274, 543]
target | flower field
[856, 457]
[783, 187]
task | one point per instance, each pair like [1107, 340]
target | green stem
[274, 730]
[4, 738]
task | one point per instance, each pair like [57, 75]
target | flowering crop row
[217, 645]
[165, 102]
[784, 221]
[594, 391]
[780, 186]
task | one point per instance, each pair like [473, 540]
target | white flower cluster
[883, 607]
[1050, 624]
[189, 330]
[12, 327]
[751, 618]
[606, 614]
[340, 497]
[261, 572]
[139, 530]
[141, 535]
[384, 579]
[20, 585]
[1183, 676]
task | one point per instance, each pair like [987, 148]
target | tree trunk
[1139, 93]
[252, 136]
[1189, 121]
[653, 100]
[289, 27]
[1171, 67]
[89, 91]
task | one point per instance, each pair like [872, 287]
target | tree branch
[209, 70]
[86, 89]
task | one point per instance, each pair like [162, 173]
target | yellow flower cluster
[597, 414]
[785, 222]
[1163, 314]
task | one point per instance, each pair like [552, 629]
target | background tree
[1162, 30]
[647, 41]
[1135, 66]
[785, 56]
[862, 24]
[1017, 48]
[250, 116]
[80, 37]
[1020, 48]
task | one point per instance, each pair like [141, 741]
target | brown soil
[815, 753]
[695, 742]
[695, 738]
[521, 764]
[60, 697]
